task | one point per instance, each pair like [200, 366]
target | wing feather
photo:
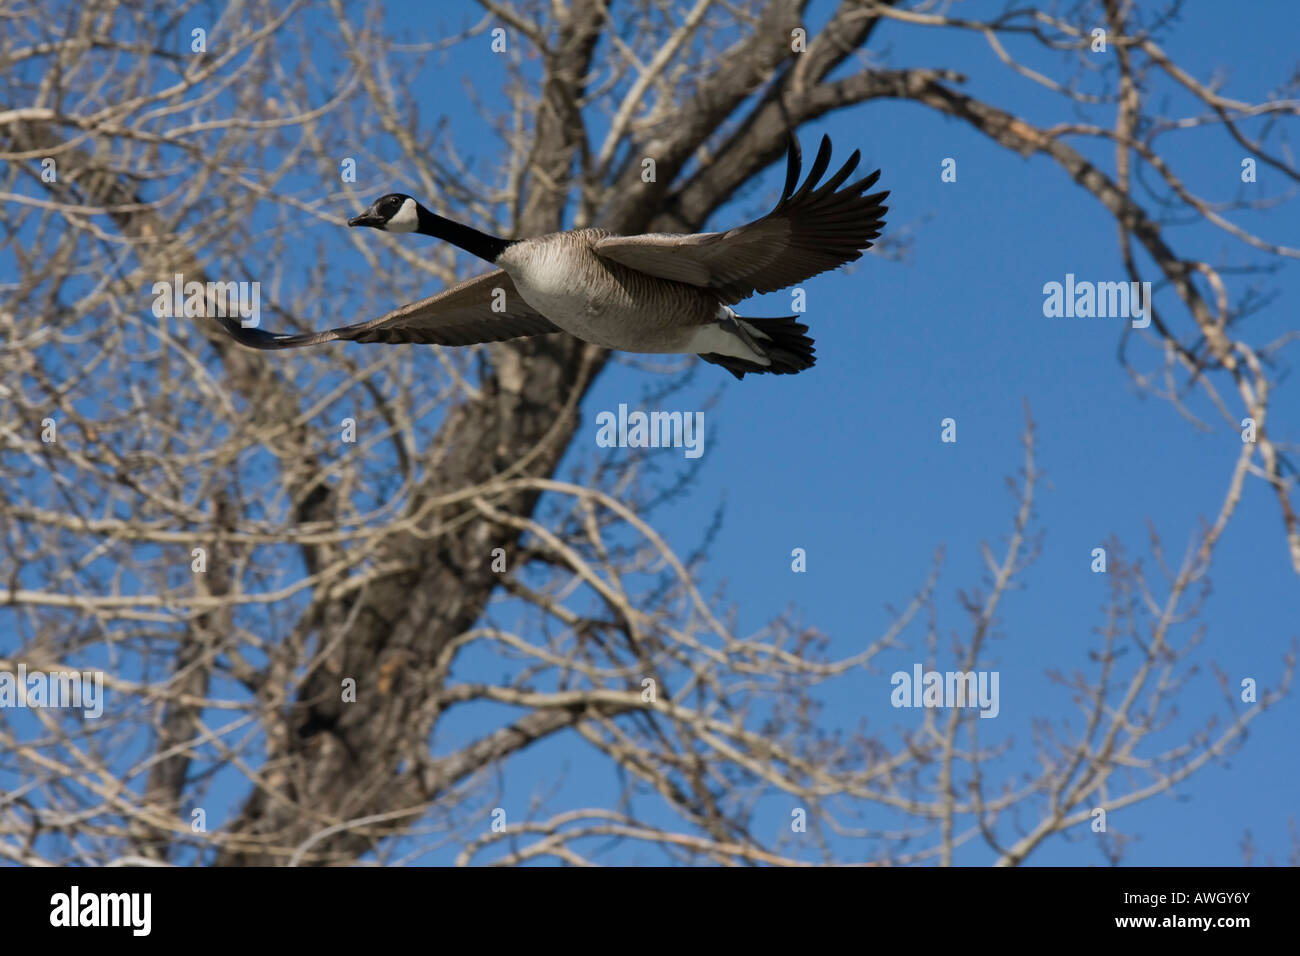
[461, 315]
[811, 230]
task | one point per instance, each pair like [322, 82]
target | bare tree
[274, 606]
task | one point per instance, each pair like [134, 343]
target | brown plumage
[649, 293]
[809, 232]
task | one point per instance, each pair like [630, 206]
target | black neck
[471, 240]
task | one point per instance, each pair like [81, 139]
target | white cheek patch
[405, 219]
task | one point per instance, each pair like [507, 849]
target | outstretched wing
[461, 315]
[810, 231]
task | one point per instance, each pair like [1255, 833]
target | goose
[655, 293]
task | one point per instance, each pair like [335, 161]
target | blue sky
[845, 461]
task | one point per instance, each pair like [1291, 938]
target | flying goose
[659, 292]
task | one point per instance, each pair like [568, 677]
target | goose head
[395, 212]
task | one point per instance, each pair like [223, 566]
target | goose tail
[783, 341]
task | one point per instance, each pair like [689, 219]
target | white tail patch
[719, 340]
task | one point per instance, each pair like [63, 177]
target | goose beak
[367, 218]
